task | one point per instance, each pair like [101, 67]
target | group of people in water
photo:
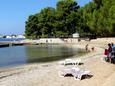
[110, 53]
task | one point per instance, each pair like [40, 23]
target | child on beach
[92, 48]
[86, 47]
[106, 52]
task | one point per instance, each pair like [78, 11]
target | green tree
[66, 17]
[31, 27]
[96, 17]
[98, 3]
[47, 20]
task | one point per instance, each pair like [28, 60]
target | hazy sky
[14, 13]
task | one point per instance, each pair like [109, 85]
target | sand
[46, 74]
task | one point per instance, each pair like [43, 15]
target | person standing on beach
[86, 47]
[113, 47]
[109, 48]
[109, 52]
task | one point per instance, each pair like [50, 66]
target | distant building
[1, 36]
[76, 35]
[13, 36]
[8, 36]
[20, 36]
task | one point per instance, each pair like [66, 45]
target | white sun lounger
[79, 73]
[76, 72]
[64, 72]
[70, 61]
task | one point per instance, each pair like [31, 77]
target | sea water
[18, 55]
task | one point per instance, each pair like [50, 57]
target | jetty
[8, 44]
[4, 45]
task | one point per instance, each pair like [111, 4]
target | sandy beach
[46, 74]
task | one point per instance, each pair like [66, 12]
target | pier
[4, 45]
[13, 44]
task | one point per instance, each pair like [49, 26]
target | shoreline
[49, 62]
[74, 47]
[46, 74]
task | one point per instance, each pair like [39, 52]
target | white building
[8, 36]
[13, 36]
[76, 35]
[20, 36]
[1, 36]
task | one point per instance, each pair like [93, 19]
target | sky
[14, 13]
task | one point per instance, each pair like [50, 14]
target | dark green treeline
[95, 18]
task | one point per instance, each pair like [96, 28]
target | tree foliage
[101, 20]
[95, 18]
[50, 22]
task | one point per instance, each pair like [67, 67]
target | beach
[46, 74]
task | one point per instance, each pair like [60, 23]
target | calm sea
[19, 55]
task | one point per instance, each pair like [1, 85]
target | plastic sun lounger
[70, 61]
[78, 61]
[66, 61]
[76, 72]
[64, 72]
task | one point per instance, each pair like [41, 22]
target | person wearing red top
[106, 52]
[109, 52]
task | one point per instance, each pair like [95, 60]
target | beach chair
[70, 61]
[68, 71]
[75, 71]
[78, 61]
[64, 72]
[78, 74]
[66, 62]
